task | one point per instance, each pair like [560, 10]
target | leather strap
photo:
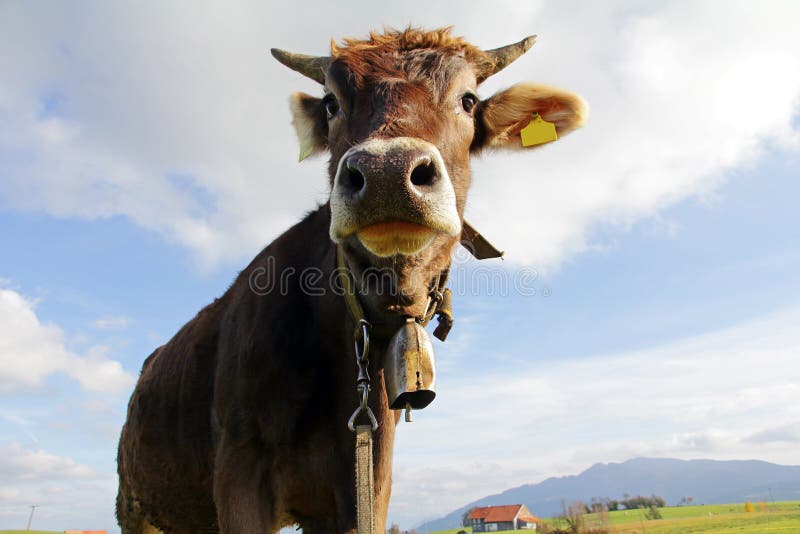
[365, 481]
[439, 303]
[350, 299]
[353, 305]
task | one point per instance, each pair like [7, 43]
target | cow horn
[505, 55]
[313, 67]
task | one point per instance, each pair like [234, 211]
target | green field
[778, 518]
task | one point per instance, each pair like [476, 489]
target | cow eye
[331, 106]
[468, 102]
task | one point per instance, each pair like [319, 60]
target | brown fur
[308, 126]
[238, 423]
[509, 111]
[377, 54]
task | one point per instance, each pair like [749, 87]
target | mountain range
[707, 481]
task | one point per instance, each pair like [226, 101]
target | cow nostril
[424, 174]
[352, 179]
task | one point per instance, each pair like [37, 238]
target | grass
[776, 518]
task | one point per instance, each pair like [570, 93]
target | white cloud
[31, 350]
[678, 97]
[177, 119]
[784, 433]
[68, 494]
[20, 464]
[113, 322]
[726, 394]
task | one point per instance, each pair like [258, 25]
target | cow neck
[439, 303]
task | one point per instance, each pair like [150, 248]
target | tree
[605, 519]
[573, 514]
[599, 505]
[639, 501]
[652, 512]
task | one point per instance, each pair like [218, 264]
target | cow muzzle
[395, 195]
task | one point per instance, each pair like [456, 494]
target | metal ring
[362, 353]
[435, 297]
[365, 326]
[351, 423]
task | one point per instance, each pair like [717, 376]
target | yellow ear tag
[538, 132]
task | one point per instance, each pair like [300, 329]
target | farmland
[777, 518]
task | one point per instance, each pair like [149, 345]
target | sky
[647, 306]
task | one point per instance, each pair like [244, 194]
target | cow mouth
[391, 238]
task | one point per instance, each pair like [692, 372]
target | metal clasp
[363, 381]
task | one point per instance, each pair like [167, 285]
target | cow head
[400, 117]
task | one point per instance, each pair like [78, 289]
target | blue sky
[665, 236]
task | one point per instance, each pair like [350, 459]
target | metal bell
[409, 369]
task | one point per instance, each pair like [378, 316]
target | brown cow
[238, 423]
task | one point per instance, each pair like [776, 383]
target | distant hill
[708, 481]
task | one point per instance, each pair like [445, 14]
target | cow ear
[310, 124]
[505, 114]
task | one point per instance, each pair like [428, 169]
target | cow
[239, 423]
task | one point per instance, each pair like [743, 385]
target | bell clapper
[408, 413]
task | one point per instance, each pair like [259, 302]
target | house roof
[497, 514]
[479, 513]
